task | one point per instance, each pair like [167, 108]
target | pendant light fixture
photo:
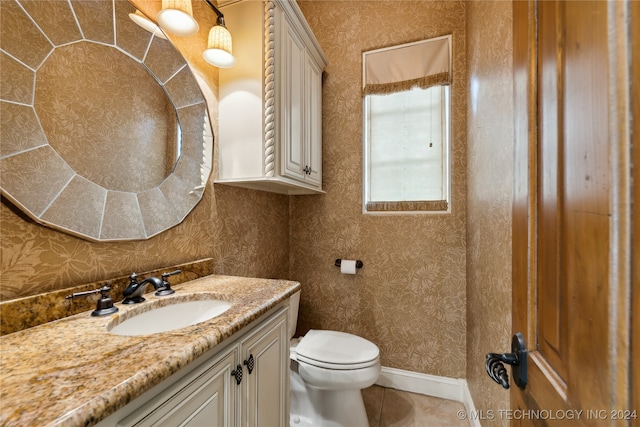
[176, 17]
[219, 51]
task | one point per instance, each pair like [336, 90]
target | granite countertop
[73, 372]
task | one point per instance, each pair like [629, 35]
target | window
[406, 120]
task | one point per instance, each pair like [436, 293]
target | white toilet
[328, 371]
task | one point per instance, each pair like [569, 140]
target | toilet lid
[336, 349]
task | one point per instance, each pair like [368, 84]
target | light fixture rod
[215, 9]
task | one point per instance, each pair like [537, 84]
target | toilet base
[327, 408]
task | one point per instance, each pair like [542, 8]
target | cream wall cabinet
[210, 395]
[270, 123]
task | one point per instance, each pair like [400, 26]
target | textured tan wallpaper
[426, 298]
[409, 298]
[245, 231]
[489, 198]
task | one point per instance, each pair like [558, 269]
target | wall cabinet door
[313, 120]
[301, 108]
[292, 94]
[265, 358]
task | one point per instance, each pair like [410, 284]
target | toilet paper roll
[348, 266]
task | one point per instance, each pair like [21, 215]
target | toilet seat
[336, 350]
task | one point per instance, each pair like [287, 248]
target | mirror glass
[105, 132]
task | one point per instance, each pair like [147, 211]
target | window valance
[421, 64]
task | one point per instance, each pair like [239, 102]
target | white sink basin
[171, 317]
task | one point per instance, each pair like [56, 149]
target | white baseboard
[467, 400]
[415, 382]
[431, 385]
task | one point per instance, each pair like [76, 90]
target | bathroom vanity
[76, 372]
[236, 385]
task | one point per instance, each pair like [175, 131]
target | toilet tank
[294, 305]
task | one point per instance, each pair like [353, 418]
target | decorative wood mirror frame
[45, 162]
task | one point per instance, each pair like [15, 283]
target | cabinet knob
[249, 363]
[307, 170]
[237, 374]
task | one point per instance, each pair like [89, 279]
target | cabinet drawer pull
[249, 364]
[237, 374]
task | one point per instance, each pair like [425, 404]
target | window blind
[419, 64]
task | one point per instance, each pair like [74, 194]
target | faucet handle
[105, 303]
[166, 286]
[166, 275]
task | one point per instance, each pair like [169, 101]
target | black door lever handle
[497, 371]
[510, 358]
[517, 359]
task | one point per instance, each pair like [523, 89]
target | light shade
[139, 18]
[176, 17]
[219, 51]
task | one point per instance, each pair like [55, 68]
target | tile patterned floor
[387, 407]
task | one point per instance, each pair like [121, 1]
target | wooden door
[572, 216]
[635, 293]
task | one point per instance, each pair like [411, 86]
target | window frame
[408, 207]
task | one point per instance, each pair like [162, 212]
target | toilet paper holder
[359, 264]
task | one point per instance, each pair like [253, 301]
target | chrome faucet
[133, 293]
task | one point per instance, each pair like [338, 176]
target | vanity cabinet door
[207, 397]
[265, 389]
